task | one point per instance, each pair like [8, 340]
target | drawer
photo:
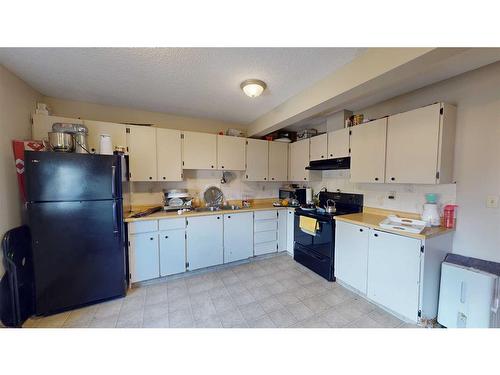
[265, 236]
[265, 248]
[263, 215]
[143, 226]
[265, 225]
[168, 224]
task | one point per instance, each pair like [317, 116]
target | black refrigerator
[75, 215]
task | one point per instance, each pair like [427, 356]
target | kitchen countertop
[372, 220]
[256, 206]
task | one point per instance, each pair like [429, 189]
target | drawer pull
[166, 236]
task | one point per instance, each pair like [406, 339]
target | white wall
[17, 102]
[477, 159]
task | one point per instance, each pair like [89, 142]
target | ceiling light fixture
[253, 87]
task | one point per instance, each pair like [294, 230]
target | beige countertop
[255, 206]
[372, 220]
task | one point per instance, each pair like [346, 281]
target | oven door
[321, 243]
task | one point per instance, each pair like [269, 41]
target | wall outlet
[492, 201]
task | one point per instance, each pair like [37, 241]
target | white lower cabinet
[265, 232]
[394, 272]
[351, 255]
[238, 236]
[204, 244]
[172, 252]
[144, 256]
[290, 227]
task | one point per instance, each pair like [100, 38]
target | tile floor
[273, 292]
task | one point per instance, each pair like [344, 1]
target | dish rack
[403, 224]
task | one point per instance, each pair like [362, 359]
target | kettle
[330, 209]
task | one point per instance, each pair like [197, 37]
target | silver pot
[62, 142]
[330, 209]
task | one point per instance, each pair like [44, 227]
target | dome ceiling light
[253, 87]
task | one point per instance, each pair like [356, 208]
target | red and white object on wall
[19, 147]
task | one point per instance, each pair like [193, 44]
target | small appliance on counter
[176, 199]
[67, 137]
[431, 212]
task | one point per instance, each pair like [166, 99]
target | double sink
[217, 208]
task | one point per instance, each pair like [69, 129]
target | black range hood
[330, 164]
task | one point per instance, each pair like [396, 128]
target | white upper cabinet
[230, 153]
[368, 143]
[278, 161]
[199, 150]
[257, 160]
[169, 154]
[338, 143]
[420, 145]
[142, 153]
[117, 132]
[319, 147]
[298, 161]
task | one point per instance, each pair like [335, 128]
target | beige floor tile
[181, 319]
[104, 322]
[53, 321]
[300, 311]
[385, 319]
[366, 322]
[209, 322]
[334, 318]
[180, 303]
[160, 310]
[287, 298]
[202, 310]
[223, 304]
[243, 298]
[263, 322]
[109, 308]
[130, 319]
[156, 322]
[252, 311]
[316, 304]
[282, 318]
[312, 322]
[233, 319]
[270, 304]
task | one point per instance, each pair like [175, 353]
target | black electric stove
[317, 251]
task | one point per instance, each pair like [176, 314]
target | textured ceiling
[199, 82]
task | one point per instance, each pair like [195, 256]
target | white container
[105, 145]
[431, 215]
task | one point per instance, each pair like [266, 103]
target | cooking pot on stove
[330, 209]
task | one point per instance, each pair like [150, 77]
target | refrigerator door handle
[115, 221]
[113, 181]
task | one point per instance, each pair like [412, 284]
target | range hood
[330, 164]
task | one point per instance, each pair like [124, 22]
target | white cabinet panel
[368, 143]
[144, 256]
[299, 160]
[282, 230]
[199, 150]
[290, 227]
[257, 160]
[143, 226]
[238, 236]
[351, 254]
[142, 153]
[265, 214]
[412, 146]
[264, 248]
[96, 128]
[319, 147]
[230, 153]
[169, 224]
[278, 161]
[394, 272]
[204, 246]
[338, 143]
[172, 252]
[169, 154]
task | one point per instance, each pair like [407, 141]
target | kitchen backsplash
[408, 198]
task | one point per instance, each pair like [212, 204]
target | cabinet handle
[360, 229]
[375, 234]
[393, 179]
[150, 177]
[305, 178]
[211, 166]
[166, 236]
[272, 178]
[331, 155]
[151, 238]
[222, 166]
[322, 156]
[164, 178]
[376, 178]
[229, 217]
[265, 178]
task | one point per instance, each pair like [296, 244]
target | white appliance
[105, 145]
[431, 215]
[469, 293]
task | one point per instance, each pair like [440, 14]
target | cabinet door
[230, 153]
[319, 147]
[169, 154]
[394, 272]
[142, 153]
[290, 223]
[172, 252]
[412, 146]
[299, 160]
[368, 151]
[199, 150]
[282, 229]
[96, 128]
[257, 160]
[338, 143]
[204, 241]
[351, 254]
[278, 161]
[144, 257]
[238, 236]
